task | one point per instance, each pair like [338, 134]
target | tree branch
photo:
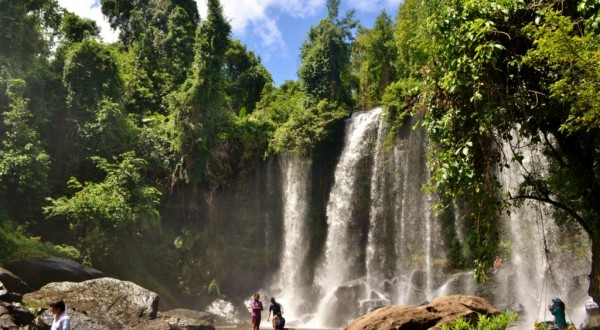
[559, 205]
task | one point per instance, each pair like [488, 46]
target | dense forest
[113, 154]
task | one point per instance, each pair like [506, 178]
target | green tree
[76, 28]
[325, 55]
[414, 51]
[374, 54]
[200, 110]
[24, 164]
[118, 13]
[245, 77]
[504, 70]
[27, 29]
[92, 80]
[160, 37]
[112, 214]
[90, 75]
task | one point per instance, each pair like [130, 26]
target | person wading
[257, 308]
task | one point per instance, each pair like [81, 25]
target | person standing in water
[558, 310]
[277, 310]
[257, 308]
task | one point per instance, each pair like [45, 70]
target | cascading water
[384, 244]
[344, 245]
[528, 281]
[295, 182]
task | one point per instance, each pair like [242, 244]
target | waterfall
[384, 244]
[418, 230]
[295, 186]
[528, 280]
[343, 248]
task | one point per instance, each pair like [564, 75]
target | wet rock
[440, 311]
[185, 319]
[13, 283]
[369, 305]
[117, 304]
[154, 325]
[41, 271]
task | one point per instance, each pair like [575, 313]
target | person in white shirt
[61, 319]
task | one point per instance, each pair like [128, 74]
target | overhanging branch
[559, 205]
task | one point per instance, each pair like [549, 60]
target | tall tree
[24, 164]
[325, 55]
[26, 29]
[374, 56]
[245, 77]
[92, 80]
[76, 28]
[200, 109]
[160, 36]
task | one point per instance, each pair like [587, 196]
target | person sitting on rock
[61, 319]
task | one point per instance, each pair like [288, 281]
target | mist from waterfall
[538, 268]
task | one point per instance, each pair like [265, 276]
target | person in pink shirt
[257, 308]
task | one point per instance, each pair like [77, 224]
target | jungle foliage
[106, 146]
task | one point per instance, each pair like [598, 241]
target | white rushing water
[342, 248]
[295, 182]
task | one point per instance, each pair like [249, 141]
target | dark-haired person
[61, 319]
[277, 310]
[257, 307]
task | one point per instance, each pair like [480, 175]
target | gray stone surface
[185, 319]
[117, 304]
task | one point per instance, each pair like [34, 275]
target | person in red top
[257, 308]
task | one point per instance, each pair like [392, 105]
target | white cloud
[374, 5]
[91, 9]
[260, 17]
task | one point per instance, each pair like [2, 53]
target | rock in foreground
[114, 303]
[440, 311]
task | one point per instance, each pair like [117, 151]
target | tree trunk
[594, 289]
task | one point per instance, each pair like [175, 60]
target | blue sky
[273, 29]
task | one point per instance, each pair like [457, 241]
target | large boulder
[13, 283]
[41, 271]
[185, 319]
[117, 304]
[440, 311]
